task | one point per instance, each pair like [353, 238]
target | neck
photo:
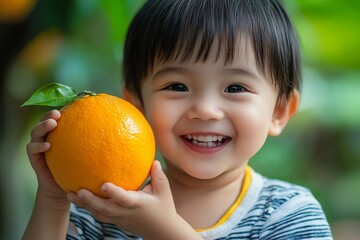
[203, 202]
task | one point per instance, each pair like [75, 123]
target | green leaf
[53, 95]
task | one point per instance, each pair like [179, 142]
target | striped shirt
[266, 209]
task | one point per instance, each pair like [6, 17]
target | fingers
[34, 148]
[101, 208]
[159, 181]
[37, 144]
[48, 123]
[98, 206]
[40, 131]
[126, 199]
[54, 114]
[119, 200]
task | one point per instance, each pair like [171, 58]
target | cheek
[162, 119]
[252, 126]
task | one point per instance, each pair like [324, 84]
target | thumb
[159, 182]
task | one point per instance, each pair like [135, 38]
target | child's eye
[235, 88]
[178, 87]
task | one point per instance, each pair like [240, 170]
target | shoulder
[289, 211]
[84, 226]
[275, 194]
[274, 209]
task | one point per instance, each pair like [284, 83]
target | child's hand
[148, 213]
[35, 150]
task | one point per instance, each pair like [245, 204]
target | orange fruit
[100, 139]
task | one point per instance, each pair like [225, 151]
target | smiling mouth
[207, 141]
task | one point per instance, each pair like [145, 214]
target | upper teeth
[208, 138]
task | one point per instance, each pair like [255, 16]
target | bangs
[181, 31]
[195, 30]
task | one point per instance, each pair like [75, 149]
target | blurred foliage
[79, 43]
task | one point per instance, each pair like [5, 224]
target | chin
[203, 174]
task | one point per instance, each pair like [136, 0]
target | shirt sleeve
[300, 218]
[83, 226]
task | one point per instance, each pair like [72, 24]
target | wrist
[52, 201]
[50, 217]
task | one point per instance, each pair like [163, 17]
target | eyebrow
[241, 71]
[233, 71]
[169, 70]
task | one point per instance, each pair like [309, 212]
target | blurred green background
[80, 42]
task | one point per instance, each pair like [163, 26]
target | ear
[132, 98]
[283, 113]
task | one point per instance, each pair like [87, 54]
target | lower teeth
[205, 144]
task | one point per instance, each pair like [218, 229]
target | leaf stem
[86, 92]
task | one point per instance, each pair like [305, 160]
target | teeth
[205, 138]
[205, 144]
[205, 141]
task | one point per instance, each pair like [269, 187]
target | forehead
[242, 54]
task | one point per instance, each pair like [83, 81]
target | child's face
[209, 118]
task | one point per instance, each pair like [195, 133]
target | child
[214, 78]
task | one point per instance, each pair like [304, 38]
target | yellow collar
[245, 186]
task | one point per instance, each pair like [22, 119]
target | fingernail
[159, 165]
[103, 188]
[81, 194]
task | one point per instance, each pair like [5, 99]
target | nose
[205, 108]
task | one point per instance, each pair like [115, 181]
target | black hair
[166, 30]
